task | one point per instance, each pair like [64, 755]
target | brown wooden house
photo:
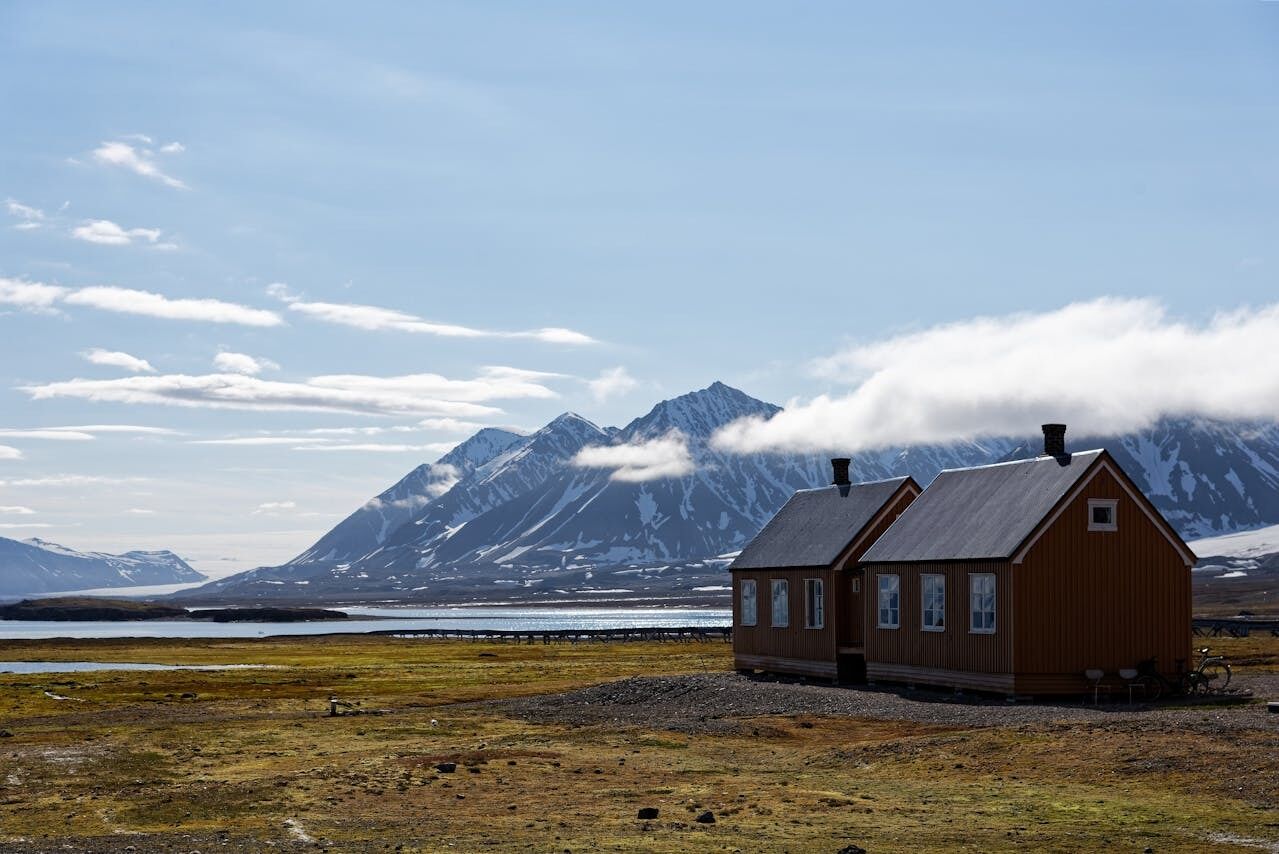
[797, 595]
[1019, 577]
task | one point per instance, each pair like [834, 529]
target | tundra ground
[547, 757]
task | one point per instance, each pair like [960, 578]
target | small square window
[1102, 514]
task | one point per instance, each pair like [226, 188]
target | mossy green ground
[253, 753]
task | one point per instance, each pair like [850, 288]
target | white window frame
[976, 606]
[775, 585]
[814, 617]
[1113, 504]
[924, 609]
[857, 585]
[894, 590]
[750, 618]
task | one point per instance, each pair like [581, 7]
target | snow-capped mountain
[513, 518]
[37, 566]
[369, 527]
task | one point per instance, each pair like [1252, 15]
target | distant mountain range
[506, 517]
[36, 566]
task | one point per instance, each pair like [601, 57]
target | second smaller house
[797, 588]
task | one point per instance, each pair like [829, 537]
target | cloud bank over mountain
[1117, 365]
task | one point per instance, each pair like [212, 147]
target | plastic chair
[1128, 674]
[1095, 676]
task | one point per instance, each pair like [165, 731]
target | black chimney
[839, 467]
[1055, 440]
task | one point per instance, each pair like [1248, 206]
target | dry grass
[253, 754]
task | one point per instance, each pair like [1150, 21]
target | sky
[257, 261]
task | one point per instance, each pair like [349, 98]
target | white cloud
[128, 301]
[54, 435]
[71, 480]
[494, 382]
[118, 359]
[612, 382]
[172, 148]
[275, 507]
[108, 233]
[120, 428]
[450, 425]
[34, 296]
[654, 459]
[376, 319]
[37, 296]
[25, 525]
[16, 510]
[1105, 366]
[353, 394]
[140, 511]
[32, 218]
[242, 363]
[8, 453]
[138, 160]
[379, 448]
[252, 441]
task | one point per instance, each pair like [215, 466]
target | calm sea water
[382, 619]
[82, 666]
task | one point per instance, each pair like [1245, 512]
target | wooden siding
[905, 673]
[851, 626]
[1099, 599]
[794, 641]
[780, 648]
[777, 664]
[954, 650]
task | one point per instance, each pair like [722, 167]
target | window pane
[982, 602]
[889, 601]
[781, 603]
[748, 603]
[934, 601]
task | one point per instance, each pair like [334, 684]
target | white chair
[1128, 674]
[1095, 676]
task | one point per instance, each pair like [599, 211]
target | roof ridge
[858, 483]
[1021, 462]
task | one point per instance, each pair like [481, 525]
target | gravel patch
[711, 701]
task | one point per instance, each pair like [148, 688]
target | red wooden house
[797, 595]
[1019, 577]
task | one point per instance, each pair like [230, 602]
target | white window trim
[1113, 504]
[808, 617]
[772, 609]
[923, 602]
[994, 621]
[879, 610]
[741, 602]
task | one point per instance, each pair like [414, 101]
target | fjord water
[382, 620]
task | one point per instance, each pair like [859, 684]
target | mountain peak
[699, 413]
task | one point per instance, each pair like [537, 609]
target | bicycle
[1153, 683]
[1212, 675]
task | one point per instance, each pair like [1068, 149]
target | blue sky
[730, 191]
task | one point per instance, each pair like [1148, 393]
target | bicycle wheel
[1151, 688]
[1214, 677]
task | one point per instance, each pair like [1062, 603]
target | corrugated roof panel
[980, 513]
[816, 525]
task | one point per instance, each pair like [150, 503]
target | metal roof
[816, 525]
[980, 513]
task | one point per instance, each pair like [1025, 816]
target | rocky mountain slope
[513, 519]
[36, 566]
